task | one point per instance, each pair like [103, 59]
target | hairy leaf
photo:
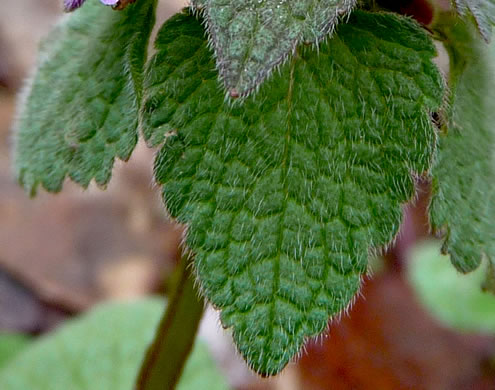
[483, 12]
[252, 37]
[453, 298]
[285, 194]
[102, 350]
[80, 109]
[463, 204]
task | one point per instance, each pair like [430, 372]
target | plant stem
[167, 355]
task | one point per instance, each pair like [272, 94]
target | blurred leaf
[454, 298]
[10, 345]
[482, 11]
[102, 350]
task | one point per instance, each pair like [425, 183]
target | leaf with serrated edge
[483, 12]
[252, 37]
[462, 204]
[79, 112]
[285, 194]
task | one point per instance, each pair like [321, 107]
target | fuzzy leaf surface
[285, 194]
[252, 37]
[463, 204]
[80, 109]
[102, 350]
[483, 12]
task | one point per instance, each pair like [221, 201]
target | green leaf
[80, 109]
[252, 37]
[102, 350]
[463, 202]
[10, 345]
[455, 299]
[285, 195]
[482, 11]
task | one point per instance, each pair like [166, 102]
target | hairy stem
[175, 336]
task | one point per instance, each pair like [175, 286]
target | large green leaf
[455, 299]
[10, 345]
[463, 203]
[482, 11]
[102, 351]
[80, 108]
[285, 195]
[252, 37]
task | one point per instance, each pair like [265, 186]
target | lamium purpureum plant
[290, 134]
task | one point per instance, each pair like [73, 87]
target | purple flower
[71, 5]
[110, 2]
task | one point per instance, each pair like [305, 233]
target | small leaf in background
[463, 201]
[10, 345]
[455, 299]
[285, 194]
[482, 11]
[80, 109]
[102, 350]
[252, 37]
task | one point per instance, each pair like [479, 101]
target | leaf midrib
[284, 173]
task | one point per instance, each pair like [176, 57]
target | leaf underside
[285, 195]
[252, 37]
[463, 204]
[482, 11]
[80, 110]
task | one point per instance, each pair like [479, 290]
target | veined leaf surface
[285, 195]
[252, 37]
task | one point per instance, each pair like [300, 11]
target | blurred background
[62, 254]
